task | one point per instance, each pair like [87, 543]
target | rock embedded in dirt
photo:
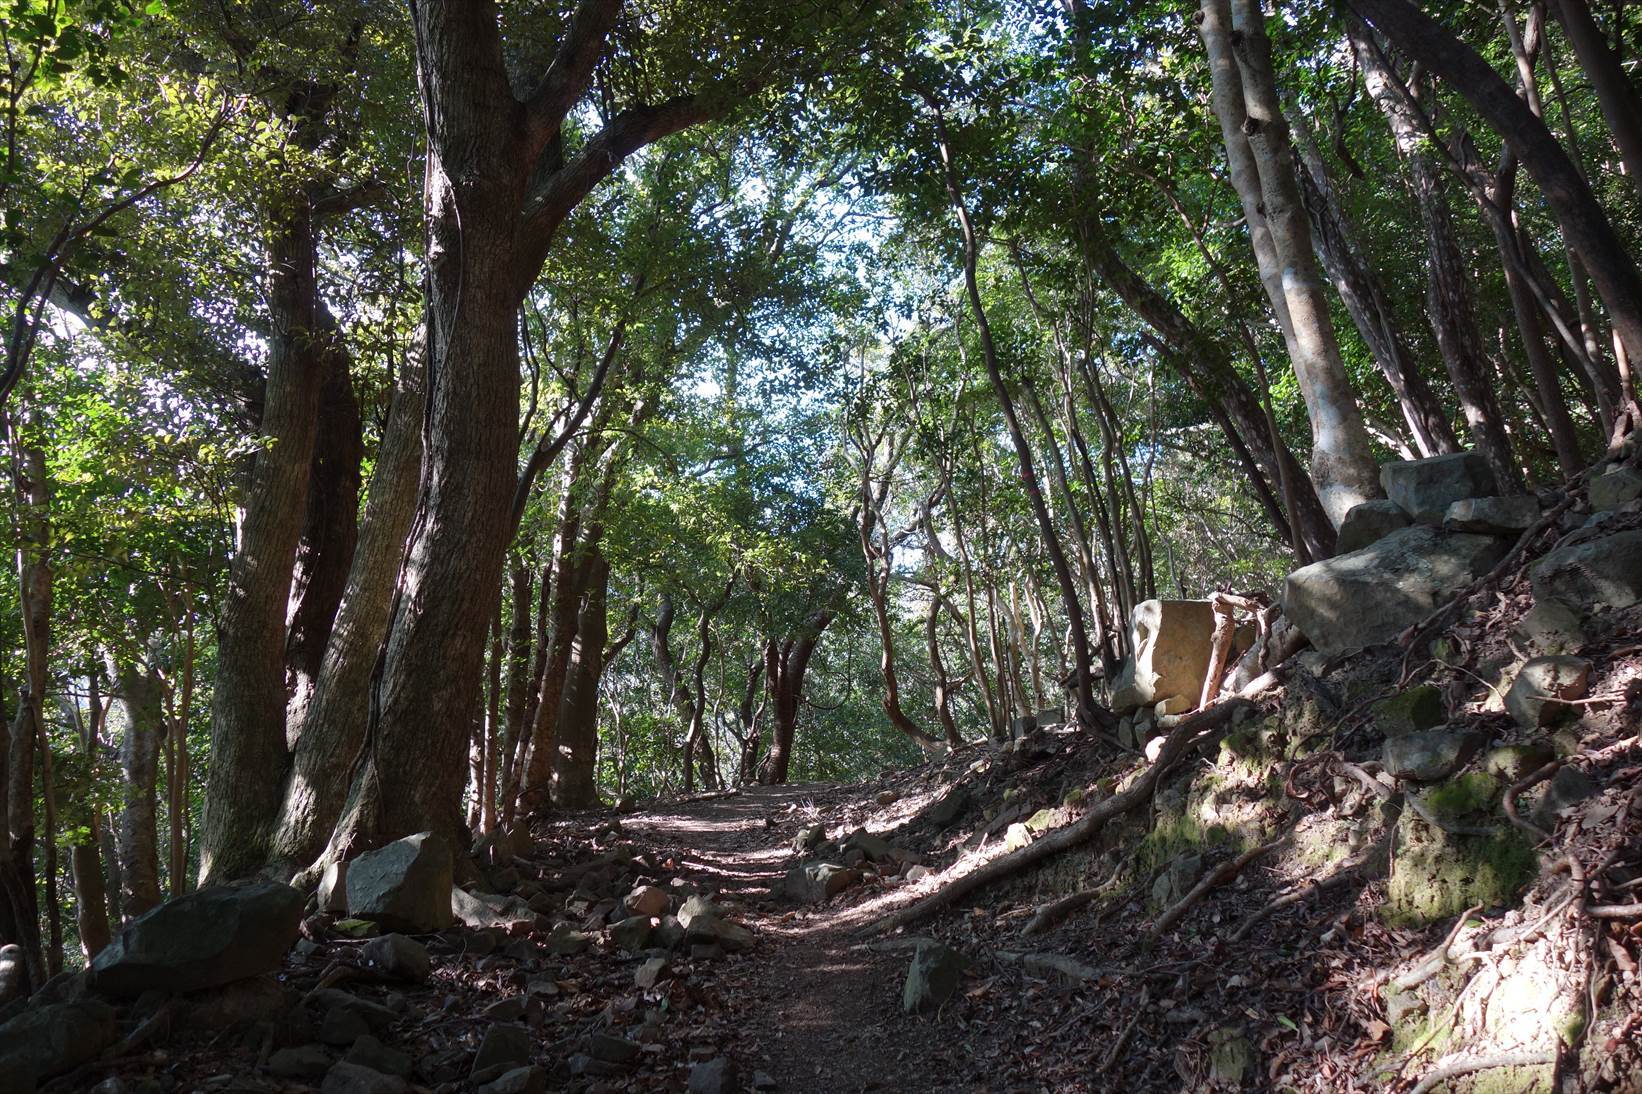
[716, 1076]
[809, 839]
[369, 1052]
[704, 925]
[481, 910]
[1567, 788]
[405, 885]
[612, 1049]
[876, 848]
[565, 941]
[632, 934]
[504, 1047]
[1617, 486]
[1544, 686]
[1016, 836]
[1599, 573]
[647, 900]
[947, 808]
[207, 938]
[1368, 521]
[521, 1080]
[814, 882]
[888, 797]
[1176, 880]
[1371, 595]
[1551, 627]
[651, 972]
[1430, 754]
[377, 1018]
[301, 1062]
[346, 1078]
[1424, 489]
[1409, 711]
[398, 957]
[1502, 516]
[932, 978]
[49, 1040]
[510, 1009]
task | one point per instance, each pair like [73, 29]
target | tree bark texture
[1449, 298]
[1343, 469]
[142, 704]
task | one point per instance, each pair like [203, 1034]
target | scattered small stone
[398, 956]
[1544, 686]
[510, 1009]
[1430, 754]
[1016, 836]
[564, 940]
[505, 1046]
[613, 1050]
[371, 1053]
[716, 1076]
[932, 978]
[1551, 627]
[888, 797]
[809, 839]
[1567, 788]
[346, 1078]
[763, 1081]
[343, 1026]
[521, 1080]
[647, 900]
[631, 934]
[301, 1062]
[651, 972]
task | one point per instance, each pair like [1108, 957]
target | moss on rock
[1436, 874]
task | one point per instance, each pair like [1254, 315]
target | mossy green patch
[1436, 874]
[1464, 796]
[1409, 711]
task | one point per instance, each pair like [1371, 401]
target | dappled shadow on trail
[818, 1007]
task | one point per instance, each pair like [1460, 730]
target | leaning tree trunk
[1584, 224]
[332, 729]
[330, 533]
[90, 891]
[143, 706]
[1342, 460]
[1448, 294]
[1347, 265]
[1621, 105]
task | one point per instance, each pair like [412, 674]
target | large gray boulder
[1171, 643]
[1367, 522]
[404, 886]
[1369, 596]
[50, 1040]
[209, 937]
[1506, 516]
[1424, 489]
[1605, 572]
[1619, 485]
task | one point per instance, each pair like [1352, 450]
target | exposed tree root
[1218, 876]
[1187, 733]
[1467, 1065]
[1353, 870]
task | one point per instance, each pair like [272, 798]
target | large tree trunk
[332, 729]
[330, 531]
[1449, 300]
[144, 716]
[248, 748]
[1343, 469]
[1584, 224]
[1346, 262]
[1621, 105]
